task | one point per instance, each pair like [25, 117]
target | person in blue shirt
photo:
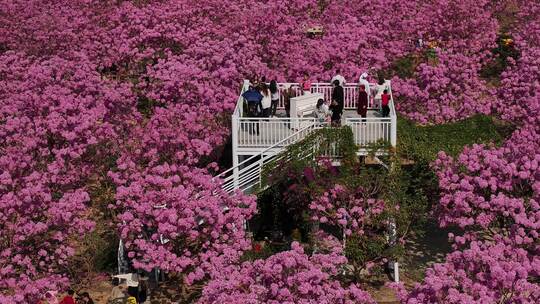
[253, 98]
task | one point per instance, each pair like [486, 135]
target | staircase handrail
[250, 163]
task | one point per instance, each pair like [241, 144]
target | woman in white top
[381, 86]
[363, 81]
[266, 102]
[322, 111]
[274, 91]
[339, 78]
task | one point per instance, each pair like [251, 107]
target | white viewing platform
[252, 151]
[273, 130]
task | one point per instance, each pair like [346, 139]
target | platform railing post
[261, 164]
[235, 156]
[393, 116]
[393, 130]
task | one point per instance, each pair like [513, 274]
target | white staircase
[247, 175]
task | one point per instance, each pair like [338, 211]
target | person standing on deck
[337, 103]
[253, 99]
[306, 84]
[385, 103]
[381, 86]
[363, 80]
[362, 105]
[274, 90]
[339, 78]
[288, 93]
[266, 101]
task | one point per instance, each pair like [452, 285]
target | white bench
[302, 106]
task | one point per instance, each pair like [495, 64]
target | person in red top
[306, 84]
[385, 100]
[68, 299]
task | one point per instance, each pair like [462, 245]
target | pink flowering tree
[481, 273]
[448, 91]
[58, 122]
[362, 218]
[491, 191]
[173, 215]
[73, 74]
[352, 211]
[179, 220]
[492, 195]
[448, 88]
[518, 98]
[286, 277]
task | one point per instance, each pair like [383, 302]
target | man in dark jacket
[362, 105]
[337, 103]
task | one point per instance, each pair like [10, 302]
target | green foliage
[501, 54]
[307, 152]
[301, 174]
[361, 250]
[422, 143]
[404, 67]
[408, 193]
[417, 188]
[146, 106]
[97, 252]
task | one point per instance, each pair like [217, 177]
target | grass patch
[422, 143]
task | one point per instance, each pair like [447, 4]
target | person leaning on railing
[338, 77]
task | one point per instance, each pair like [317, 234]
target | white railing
[247, 174]
[370, 130]
[393, 117]
[350, 91]
[257, 132]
